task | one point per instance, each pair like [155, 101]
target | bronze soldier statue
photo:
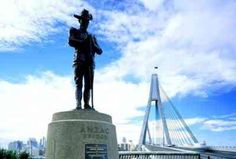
[86, 46]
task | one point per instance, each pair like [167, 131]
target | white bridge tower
[154, 97]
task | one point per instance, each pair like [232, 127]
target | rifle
[91, 74]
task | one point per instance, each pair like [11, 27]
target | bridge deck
[158, 155]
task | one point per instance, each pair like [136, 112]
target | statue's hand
[97, 48]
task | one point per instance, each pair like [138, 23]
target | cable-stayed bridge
[167, 119]
[167, 135]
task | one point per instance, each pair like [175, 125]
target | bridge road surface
[218, 155]
[213, 154]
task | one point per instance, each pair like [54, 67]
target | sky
[192, 42]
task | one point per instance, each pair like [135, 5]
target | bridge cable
[172, 125]
[182, 129]
[177, 139]
[184, 139]
[180, 117]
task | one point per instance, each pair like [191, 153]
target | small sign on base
[96, 151]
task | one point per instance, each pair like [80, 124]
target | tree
[2, 153]
[7, 154]
[23, 155]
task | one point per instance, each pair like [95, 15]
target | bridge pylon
[181, 132]
[154, 96]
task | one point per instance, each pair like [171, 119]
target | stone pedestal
[83, 134]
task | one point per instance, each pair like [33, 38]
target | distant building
[42, 146]
[32, 142]
[42, 142]
[32, 147]
[15, 146]
[33, 151]
[124, 140]
[126, 146]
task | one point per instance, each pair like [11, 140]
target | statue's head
[84, 18]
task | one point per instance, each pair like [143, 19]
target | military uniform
[86, 46]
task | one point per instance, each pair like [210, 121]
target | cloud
[129, 131]
[225, 122]
[152, 5]
[226, 116]
[27, 107]
[220, 125]
[23, 22]
[192, 43]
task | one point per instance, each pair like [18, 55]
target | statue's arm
[97, 48]
[73, 42]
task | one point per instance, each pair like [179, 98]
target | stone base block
[83, 134]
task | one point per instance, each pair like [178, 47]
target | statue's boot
[78, 97]
[86, 99]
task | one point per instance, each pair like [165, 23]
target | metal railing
[157, 155]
